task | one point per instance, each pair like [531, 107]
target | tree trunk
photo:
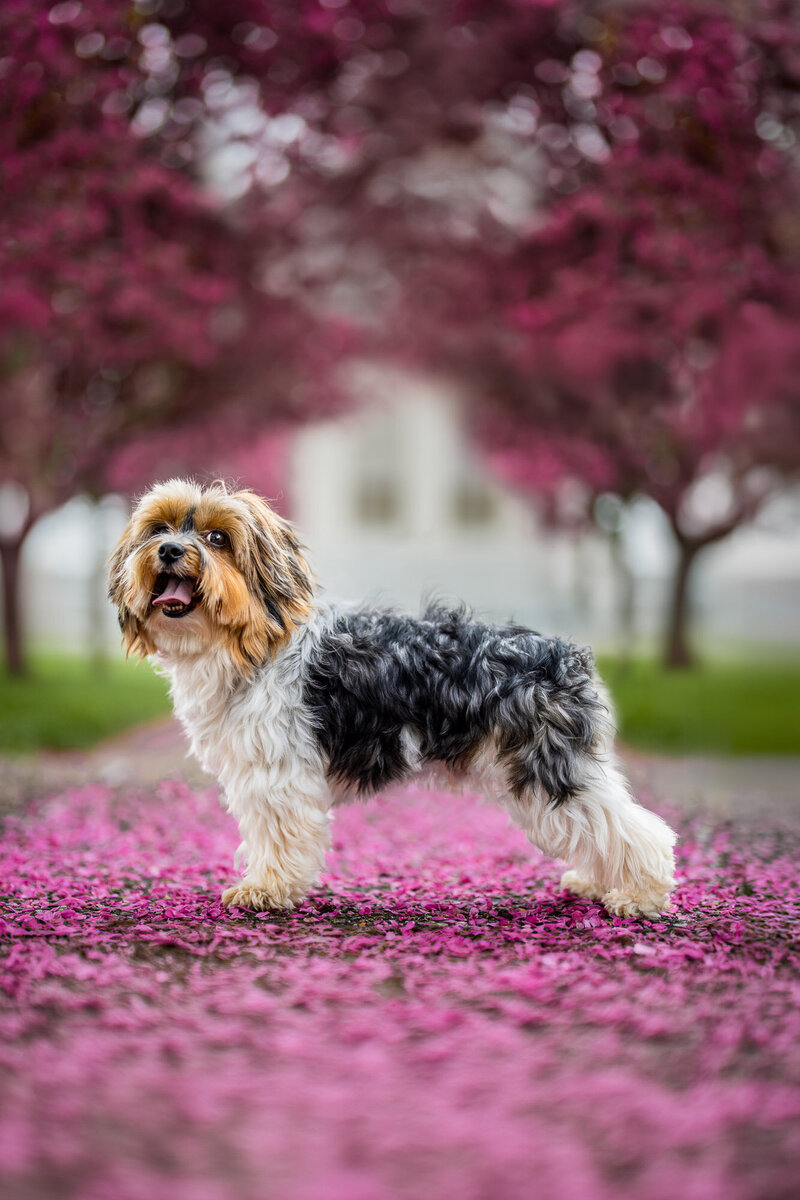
[10, 560]
[678, 647]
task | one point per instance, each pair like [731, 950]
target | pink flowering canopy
[132, 297]
[437, 1019]
[636, 324]
[395, 159]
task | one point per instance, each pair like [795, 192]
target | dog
[297, 705]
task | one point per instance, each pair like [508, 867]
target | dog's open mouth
[174, 595]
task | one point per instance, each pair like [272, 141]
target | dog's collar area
[174, 595]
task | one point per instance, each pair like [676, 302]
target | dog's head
[201, 567]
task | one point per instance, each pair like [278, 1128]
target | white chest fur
[254, 735]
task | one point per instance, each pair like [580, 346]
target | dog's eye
[155, 530]
[217, 538]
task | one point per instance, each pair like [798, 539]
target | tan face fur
[251, 586]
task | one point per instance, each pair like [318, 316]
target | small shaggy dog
[296, 705]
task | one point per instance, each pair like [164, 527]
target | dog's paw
[636, 904]
[571, 881]
[259, 899]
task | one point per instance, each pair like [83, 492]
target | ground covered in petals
[437, 1021]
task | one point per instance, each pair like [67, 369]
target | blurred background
[497, 299]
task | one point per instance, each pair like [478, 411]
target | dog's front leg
[284, 841]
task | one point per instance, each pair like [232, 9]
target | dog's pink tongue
[176, 589]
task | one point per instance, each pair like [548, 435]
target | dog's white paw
[575, 883]
[635, 904]
[250, 895]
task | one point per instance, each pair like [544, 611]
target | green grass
[730, 707]
[66, 704]
[721, 707]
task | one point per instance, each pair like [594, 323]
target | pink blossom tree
[619, 299]
[652, 323]
[132, 300]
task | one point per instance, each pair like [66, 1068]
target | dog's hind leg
[568, 795]
[619, 852]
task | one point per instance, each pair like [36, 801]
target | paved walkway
[141, 757]
[746, 788]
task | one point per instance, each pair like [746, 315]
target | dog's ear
[275, 567]
[134, 638]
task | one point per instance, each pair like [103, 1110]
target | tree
[655, 341]
[592, 224]
[134, 305]
[132, 299]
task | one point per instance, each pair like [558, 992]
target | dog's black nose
[170, 552]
